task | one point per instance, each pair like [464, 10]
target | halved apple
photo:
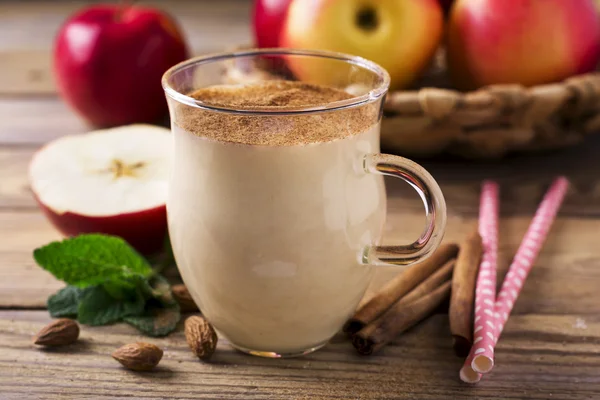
[111, 181]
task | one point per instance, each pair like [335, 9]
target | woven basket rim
[487, 122]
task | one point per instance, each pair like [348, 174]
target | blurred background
[60, 75]
[421, 44]
[28, 31]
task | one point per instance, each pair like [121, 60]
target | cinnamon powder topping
[274, 130]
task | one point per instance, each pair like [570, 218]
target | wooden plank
[26, 71]
[29, 29]
[568, 262]
[26, 121]
[15, 193]
[524, 179]
[538, 357]
[565, 279]
[22, 283]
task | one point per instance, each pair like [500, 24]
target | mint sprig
[98, 307]
[65, 302]
[108, 281]
[93, 259]
[156, 320]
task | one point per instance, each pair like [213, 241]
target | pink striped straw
[529, 249]
[484, 331]
[521, 266]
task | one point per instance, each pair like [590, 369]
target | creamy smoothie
[268, 214]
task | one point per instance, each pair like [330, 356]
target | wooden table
[550, 348]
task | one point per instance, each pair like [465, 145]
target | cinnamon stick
[398, 287]
[425, 288]
[398, 319]
[430, 284]
[463, 293]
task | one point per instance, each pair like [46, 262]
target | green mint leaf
[93, 259]
[156, 321]
[160, 289]
[98, 307]
[65, 302]
[121, 290]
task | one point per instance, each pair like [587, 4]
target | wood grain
[569, 261]
[26, 124]
[538, 357]
[26, 72]
[14, 182]
[564, 279]
[22, 283]
[35, 121]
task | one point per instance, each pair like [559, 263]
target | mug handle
[435, 211]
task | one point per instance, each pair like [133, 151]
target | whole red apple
[109, 60]
[400, 35]
[521, 41]
[268, 18]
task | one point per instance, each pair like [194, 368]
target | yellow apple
[400, 35]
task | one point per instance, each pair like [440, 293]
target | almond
[183, 297]
[58, 333]
[138, 356]
[201, 337]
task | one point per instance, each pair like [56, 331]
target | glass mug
[277, 243]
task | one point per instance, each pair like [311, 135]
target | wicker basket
[431, 118]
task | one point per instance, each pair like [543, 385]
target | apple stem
[367, 18]
[123, 5]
